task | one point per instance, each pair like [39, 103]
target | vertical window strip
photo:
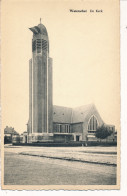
[57, 127]
[90, 124]
[60, 128]
[93, 122]
[68, 128]
[96, 125]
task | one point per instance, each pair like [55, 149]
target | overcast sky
[85, 51]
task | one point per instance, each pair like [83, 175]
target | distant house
[23, 137]
[9, 132]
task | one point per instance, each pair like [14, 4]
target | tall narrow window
[60, 128]
[93, 124]
[57, 128]
[68, 127]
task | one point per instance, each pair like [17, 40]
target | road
[29, 170]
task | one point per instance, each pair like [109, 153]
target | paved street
[32, 170]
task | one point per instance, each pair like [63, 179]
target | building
[48, 123]
[9, 133]
[40, 87]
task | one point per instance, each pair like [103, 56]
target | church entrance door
[77, 138]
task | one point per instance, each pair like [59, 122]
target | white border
[123, 190]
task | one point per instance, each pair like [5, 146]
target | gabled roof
[74, 115]
[10, 130]
[62, 114]
[80, 113]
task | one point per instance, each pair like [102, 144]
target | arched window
[93, 124]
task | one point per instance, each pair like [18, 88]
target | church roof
[80, 113]
[62, 114]
[74, 115]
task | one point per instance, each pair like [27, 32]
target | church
[48, 122]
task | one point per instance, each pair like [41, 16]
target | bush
[103, 132]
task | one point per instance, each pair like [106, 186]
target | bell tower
[40, 86]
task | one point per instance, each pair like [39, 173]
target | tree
[103, 132]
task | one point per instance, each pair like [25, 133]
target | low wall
[71, 144]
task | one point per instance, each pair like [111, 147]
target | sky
[85, 51]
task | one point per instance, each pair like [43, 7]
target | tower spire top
[40, 20]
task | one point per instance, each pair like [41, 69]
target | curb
[70, 159]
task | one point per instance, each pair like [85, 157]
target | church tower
[40, 87]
